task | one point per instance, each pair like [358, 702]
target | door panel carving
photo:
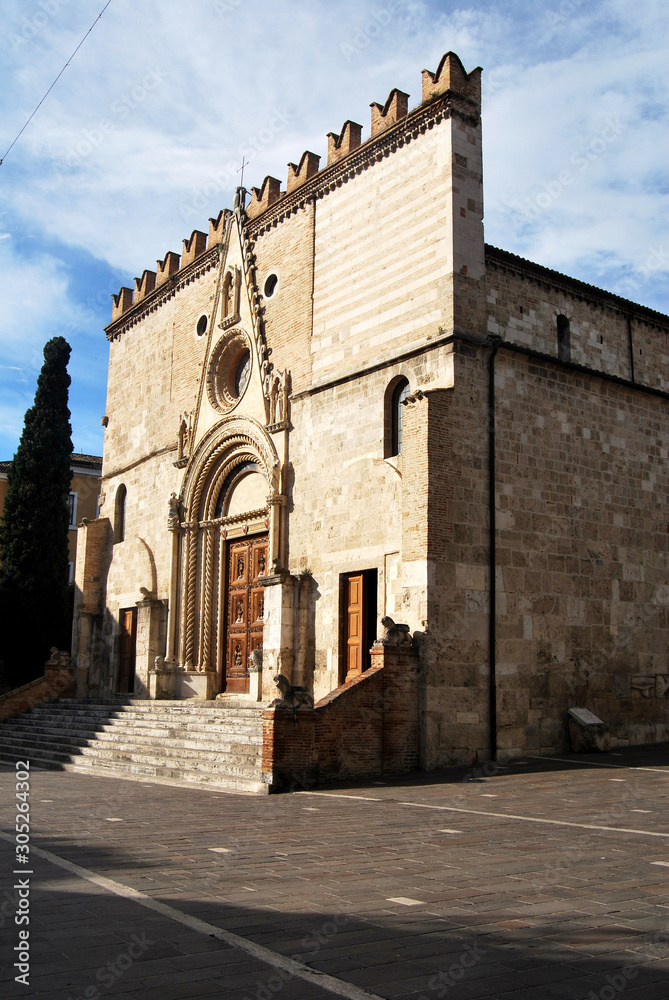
[247, 560]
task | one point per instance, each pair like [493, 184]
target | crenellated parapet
[144, 285]
[395, 108]
[448, 91]
[167, 267]
[262, 198]
[307, 167]
[340, 145]
[452, 76]
[217, 227]
[194, 246]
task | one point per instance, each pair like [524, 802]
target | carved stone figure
[238, 655]
[292, 695]
[184, 436]
[255, 661]
[58, 658]
[394, 634]
[173, 516]
[240, 612]
[276, 390]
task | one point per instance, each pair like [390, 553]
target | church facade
[340, 405]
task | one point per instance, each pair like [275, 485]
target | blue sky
[139, 142]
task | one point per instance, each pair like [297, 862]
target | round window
[270, 286]
[229, 371]
[202, 326]
[242, 372]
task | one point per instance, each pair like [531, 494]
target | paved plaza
[536, 880]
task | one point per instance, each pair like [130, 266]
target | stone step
[208, 738]
[216, 745]
[178, 777]
[119, 757]
[158, 727]
[150, 719]
[164, 748]
[187, 706]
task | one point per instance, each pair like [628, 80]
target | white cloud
[141, 139]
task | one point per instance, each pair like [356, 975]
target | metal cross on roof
[245, 163]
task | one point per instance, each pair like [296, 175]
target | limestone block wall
[583, 549]
[352, 509]
[455, 715]
[523, 303]
[287, 252]
[154, 371]
[384, 256]
[582, 564]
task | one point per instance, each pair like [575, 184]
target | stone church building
[339, 404]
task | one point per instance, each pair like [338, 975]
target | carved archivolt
[234, 442]
[233, 439]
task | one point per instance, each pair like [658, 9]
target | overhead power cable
[55, 81]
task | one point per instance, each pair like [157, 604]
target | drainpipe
[492, 618]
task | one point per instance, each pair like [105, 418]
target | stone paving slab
[537, 879]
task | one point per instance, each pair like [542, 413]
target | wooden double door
[244, 608]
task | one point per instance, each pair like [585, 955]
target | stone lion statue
[59, 658]
[292, 695]
[394, 634]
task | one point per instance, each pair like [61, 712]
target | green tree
[34, 599]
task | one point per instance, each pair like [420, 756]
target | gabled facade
[340, 405]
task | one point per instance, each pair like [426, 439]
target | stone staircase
[210, 744]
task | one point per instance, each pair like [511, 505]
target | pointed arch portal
[228, 539]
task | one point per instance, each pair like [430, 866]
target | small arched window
[119, 514]
[395, 416]
[563, 338]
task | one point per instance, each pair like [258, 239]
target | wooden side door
[245, 608]
[126, 674]
[355, 625]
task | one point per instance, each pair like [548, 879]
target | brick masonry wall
[57, 682]
[368, 726]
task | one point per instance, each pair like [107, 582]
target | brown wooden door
[355, 625]
[126, 674]
[245, 608]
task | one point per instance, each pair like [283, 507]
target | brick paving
[429, 886]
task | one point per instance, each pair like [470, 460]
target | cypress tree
[34, 598]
